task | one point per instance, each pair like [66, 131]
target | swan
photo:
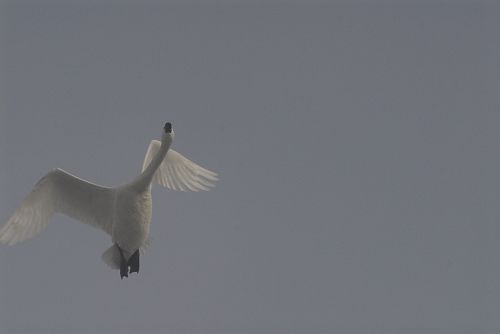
[123, 212]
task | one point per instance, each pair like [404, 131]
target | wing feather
[59, 191]
[177, 172]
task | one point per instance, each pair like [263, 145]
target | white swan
[123, 212]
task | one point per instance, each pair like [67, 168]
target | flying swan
[123, 212]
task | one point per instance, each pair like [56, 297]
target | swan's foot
[133, 262]
[123, 264]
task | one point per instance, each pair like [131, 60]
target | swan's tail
[112, 257]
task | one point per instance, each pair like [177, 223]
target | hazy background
[357, 146]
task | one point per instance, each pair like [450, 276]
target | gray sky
[357, 146]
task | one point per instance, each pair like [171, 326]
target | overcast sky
[357, 147]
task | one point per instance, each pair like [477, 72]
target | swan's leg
[133, 262]
[123, 264]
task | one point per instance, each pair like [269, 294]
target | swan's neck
[143, 182]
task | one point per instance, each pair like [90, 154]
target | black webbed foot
[123, 264]
[133, 262]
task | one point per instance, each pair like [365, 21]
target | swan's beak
[168, 127]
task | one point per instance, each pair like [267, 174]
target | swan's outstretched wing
[179, 173]
[59, 191]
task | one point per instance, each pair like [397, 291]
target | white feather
[59, 191]
[178, 172]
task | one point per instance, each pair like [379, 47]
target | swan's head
[168, 127]
[168, 131]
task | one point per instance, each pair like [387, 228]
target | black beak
[168, 127]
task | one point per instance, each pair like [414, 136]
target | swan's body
[123, 212]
